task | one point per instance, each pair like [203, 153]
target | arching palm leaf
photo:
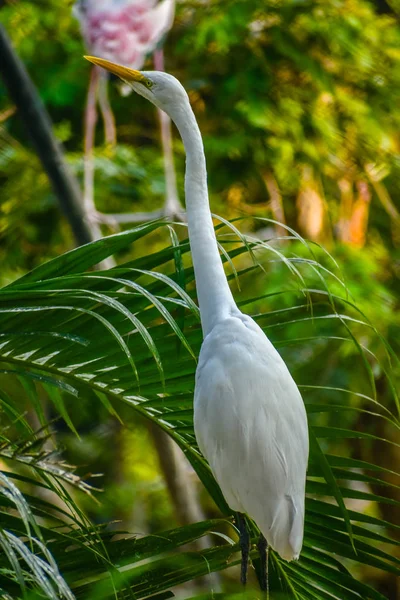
[131, 334]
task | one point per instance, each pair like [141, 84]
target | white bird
[249, 417]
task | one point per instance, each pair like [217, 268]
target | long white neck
[215, 298]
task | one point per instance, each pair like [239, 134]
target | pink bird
[125, 32]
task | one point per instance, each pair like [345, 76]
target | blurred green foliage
[304, 92]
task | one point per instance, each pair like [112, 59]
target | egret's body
[250, 424]
[249, 417]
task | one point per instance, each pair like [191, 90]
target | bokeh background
[298, 104]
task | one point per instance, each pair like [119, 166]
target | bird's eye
[149, 83]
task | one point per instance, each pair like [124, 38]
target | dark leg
[244, 541]
[262, 546]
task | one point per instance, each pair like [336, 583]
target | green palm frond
[25, 556]
[131, 334]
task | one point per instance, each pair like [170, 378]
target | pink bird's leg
[172, 206]
[107, 113]
[90, 128]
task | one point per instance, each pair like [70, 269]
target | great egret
[249, 417]
[124, 31]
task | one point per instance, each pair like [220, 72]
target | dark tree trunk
[38, 125]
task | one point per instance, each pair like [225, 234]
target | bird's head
[162, 89]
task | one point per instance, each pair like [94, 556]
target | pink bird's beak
[123, 72]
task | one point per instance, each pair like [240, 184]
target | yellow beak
[122, 72]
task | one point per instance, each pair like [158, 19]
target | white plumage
[251, 425]
[249, 417]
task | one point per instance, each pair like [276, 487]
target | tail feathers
[286, 532]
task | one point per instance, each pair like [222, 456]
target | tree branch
[38, 125]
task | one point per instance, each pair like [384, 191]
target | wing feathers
[251, 425]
